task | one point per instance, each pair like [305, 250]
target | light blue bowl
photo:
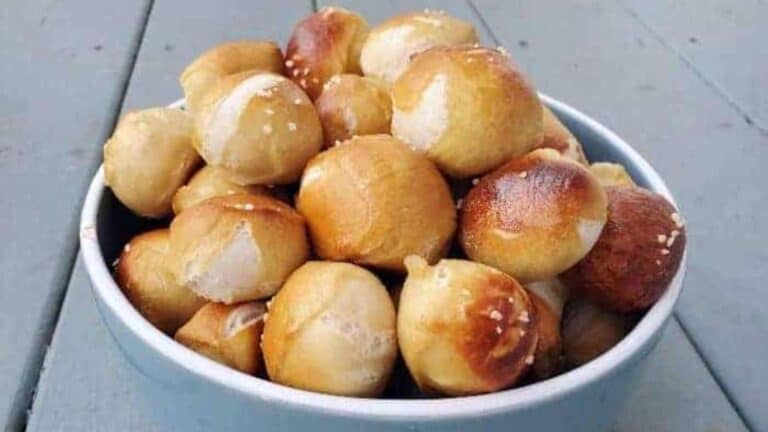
[186, 391]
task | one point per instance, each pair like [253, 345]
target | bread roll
[210, 182]
[464, 328]
[325, 44]
[148, 157]
[468, 109]
[237, 248]
[228, 334]
[611, 174]
[534, 217]
[637, 254]
[353, 105]
[259, 128]
[224, 60]
[372, 201]
[589, 331]
[331, 329]
[390, 46]
[548, 297]
[146, 282]
[558, 137]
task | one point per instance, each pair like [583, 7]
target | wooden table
[684, 81]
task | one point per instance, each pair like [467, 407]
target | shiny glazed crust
[331, 329]
[467, 108]
[325, 44]
[227, 59]
[353, 105]
[373, 201]
[465, 328]
[228, 334]
[637, 254]
[146, 282]
[237, 248]
[258, 128]
[534, 217]
[148, 157]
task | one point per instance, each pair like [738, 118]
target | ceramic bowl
[186, 391]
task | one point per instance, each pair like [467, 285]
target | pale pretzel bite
[237, 248]
[258, 128]
[224, 60]
[589, 330]
[390, 45]
[637, 255]
[549, 298]
[611, 174]
[146, 282]
[468, 109]
[372, 201]
[353, 105]
[556, 136]
[325, 44]
[534, 217]
[465, 328]
[148, 157]
[331, 329]
[228, 334]
[210, 182]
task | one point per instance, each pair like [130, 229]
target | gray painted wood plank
[178, 32]
[63, 66]
[723, 41]
[596, 56]
[88, 385]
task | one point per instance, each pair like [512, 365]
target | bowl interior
[115, 225]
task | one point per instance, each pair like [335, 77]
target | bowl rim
[643, 334]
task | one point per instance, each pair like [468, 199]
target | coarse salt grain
[661, 238]
[498, 330]
[269, 111]
[475, 181]
[658, 262]
[297, 101]
[529, 360]
[267, 129]
[305, 72]
[670, 241]
[249, 207]
[303, 83]
[127, 247]
[665, 251]
[510, 300]
[524, 317]
[291, 126]
[289, 63]
[295, 72]
[459, 202]
[495, 315]
[523, 174]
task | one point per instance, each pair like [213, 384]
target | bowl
[184, 390]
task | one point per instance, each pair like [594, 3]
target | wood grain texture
[62, 79]
[88, 385]
[723, 42]
[619, 72]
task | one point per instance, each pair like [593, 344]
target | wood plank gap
[25, 395]
[482, 20]
[715, 376]
[748, 119]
